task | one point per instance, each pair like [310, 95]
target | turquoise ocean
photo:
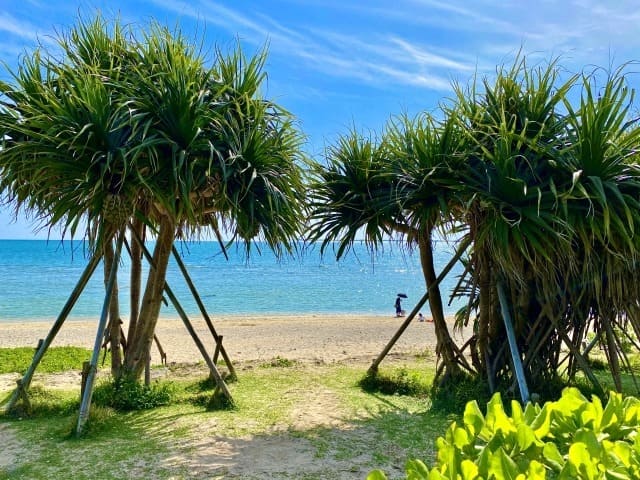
[37, 276]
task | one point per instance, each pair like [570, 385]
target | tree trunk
[484, 315]
[445, 346]
[612, 352]
[140, 345]
[136, 276]
[114, 311]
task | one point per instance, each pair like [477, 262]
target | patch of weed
[45, 403]
[102, 420]
[452, 396]
[279, 362]
[126, 395]
[56, 359]
[598, 364]
[219, 401]
[398, 382]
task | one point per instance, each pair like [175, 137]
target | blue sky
[338, 64]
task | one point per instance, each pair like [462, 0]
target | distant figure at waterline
[399, 311]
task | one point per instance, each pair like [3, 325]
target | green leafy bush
[125, 395]
[572, 438]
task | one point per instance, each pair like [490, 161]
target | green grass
[387, 429]
[111, 450]
[362, 429]
[56, 359]
[398, 424]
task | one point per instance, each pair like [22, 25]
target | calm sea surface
[36, 278]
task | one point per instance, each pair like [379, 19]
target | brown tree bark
[485, 309]
[114, 312]
[140, 344]
[137, 228]
[445, 346]
[612, 352]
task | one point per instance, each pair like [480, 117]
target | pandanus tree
[602, 205]
[129, 129]
[65, 139]
[551, 195]
[546, 197]
[399, 187]
[509, 204]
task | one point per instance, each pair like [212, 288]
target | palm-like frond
[602, 203]
[425, 157]
[67, 135]
[261, 180]
[126, 125]
[143, 119]
[516, 135]
[353, 193]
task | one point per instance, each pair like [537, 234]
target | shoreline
[214, 317]
[308, 338]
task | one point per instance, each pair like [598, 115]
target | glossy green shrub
[572, 438]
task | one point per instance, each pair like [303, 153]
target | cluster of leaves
[572, 438]
[537, 176]
[132, 127]
[126, 395]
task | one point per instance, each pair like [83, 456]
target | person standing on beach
[398, 307]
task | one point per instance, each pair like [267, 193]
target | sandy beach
[306, 338]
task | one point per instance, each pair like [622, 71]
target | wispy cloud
[375, 59]
[426, 58]
[579, 27]
[414, 43]
[467, 15]
[17, 28]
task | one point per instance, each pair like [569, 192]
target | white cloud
[417, 43]
[15, 27]
[433, 82]
[582, 27]
[375, 59]
[425, 58]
